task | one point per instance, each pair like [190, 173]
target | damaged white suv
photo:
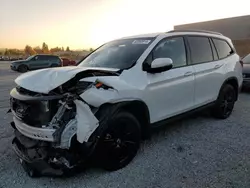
[102, 108]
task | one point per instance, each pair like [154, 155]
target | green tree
[28, 50]
[67, 49]
[91, 49]
[45, 48]
[7, 52]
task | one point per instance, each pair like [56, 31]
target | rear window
[201, 51]
[223, 48]
[52, 58]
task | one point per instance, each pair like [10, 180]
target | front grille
[34, 113]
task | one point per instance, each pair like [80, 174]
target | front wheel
[225, 102]
[22, 68]
[120, 141]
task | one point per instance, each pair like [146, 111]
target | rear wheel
[22, 68]
[225, 102]
[120, 141]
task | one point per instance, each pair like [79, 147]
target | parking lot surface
[198, 151]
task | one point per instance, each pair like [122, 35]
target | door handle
[188, 73]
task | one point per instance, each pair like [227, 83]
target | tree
[67, 49]
[7, 52]
[91, 50]
[56, 49]
[28, 50]
[38, 50]
[45, 48]
[63, 49]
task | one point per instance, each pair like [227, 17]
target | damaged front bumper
[43, 134]
[41, 158]
[33, 158]
[59, 146]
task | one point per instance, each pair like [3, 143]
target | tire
[22, 68]
[225, 102]
[31, 172]
[119, 142]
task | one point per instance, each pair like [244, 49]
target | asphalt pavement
[198, 151]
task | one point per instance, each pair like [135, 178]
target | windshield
[120, 54]
[30, 57]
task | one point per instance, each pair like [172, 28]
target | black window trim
[213, 46]
[190, 49]
[217, 38]
[170, 37]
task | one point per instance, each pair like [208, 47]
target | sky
[81, 24]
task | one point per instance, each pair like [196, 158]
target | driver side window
[35, 58]
[173, 48]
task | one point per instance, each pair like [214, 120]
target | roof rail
[193, 30]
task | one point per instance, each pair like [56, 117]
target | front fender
[121, 91]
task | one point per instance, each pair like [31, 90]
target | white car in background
[102, 108]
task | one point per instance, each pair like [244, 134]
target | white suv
[101, 109]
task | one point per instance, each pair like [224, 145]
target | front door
[171, 92]
[39, 61]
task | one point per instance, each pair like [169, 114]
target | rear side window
[52, 58]
[200, 48]
[42, 57]
[222, 48]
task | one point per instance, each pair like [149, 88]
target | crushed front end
[45, 127]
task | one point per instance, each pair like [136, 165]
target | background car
[246, 70]
[36, 62]
[68, 62]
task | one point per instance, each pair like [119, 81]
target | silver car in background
[246, 70]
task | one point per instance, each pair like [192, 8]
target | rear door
[55, 61]
[45, 61]
[203, 56]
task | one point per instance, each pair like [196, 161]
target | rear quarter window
[53, 58]
[223, 48]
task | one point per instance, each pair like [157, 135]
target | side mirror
[159, 65]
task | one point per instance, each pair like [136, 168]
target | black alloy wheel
[120, 141]
[22, 68]
[225, 103]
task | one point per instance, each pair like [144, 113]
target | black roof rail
[193, 30]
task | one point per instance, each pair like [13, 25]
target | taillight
[241, 62]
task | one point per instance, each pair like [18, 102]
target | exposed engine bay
[55, 130]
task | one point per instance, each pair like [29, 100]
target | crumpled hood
[45, 80]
